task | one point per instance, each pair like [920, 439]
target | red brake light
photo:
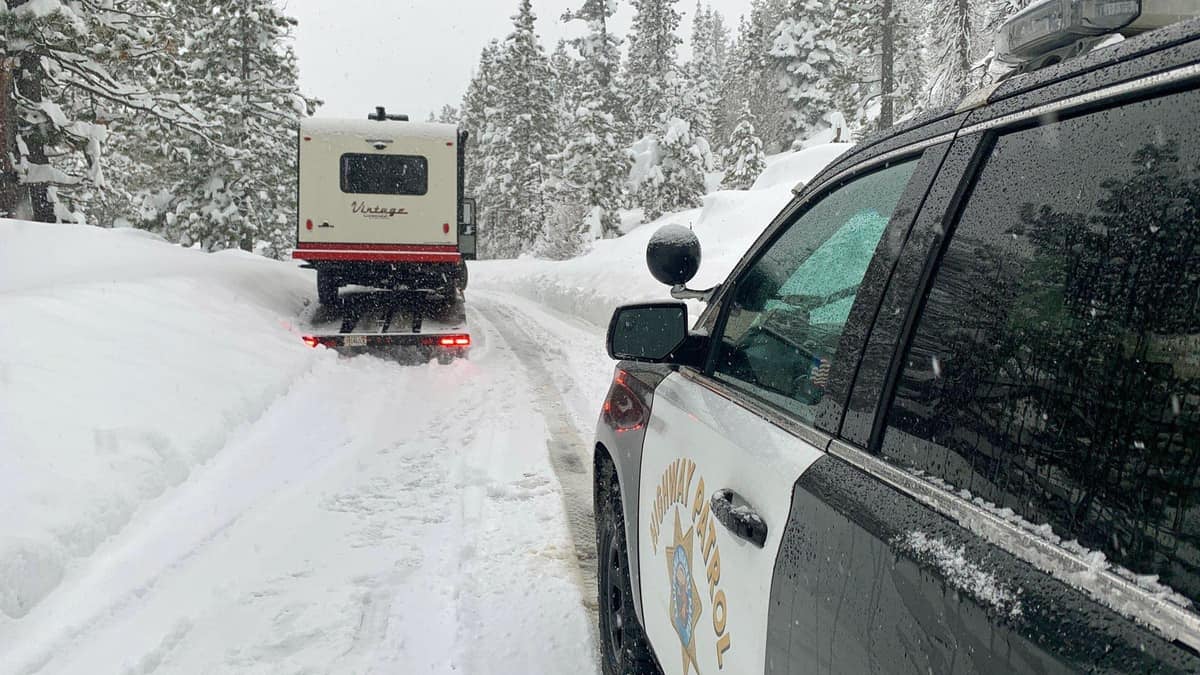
[624, 409]
[455, 341]
[311, 341]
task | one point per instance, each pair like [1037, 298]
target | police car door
[716, 475]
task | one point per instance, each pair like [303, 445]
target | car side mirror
[468, 212]
[648, 332]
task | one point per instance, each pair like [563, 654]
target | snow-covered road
[377, 518]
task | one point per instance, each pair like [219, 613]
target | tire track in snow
[570, 454]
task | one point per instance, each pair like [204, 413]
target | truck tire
[624, 648]
[327, 288]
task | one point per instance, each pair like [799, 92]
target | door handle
[738, 517]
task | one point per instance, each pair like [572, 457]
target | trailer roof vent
[380, 115]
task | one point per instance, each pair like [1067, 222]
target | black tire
[327, 288]
[624, 649]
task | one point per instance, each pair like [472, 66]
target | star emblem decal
[685, 597]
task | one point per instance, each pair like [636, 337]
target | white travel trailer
[382, 205]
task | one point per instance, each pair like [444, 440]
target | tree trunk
[887, 65]
[29, 84]
[10, 193]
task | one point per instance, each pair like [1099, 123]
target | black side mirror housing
[647, 332]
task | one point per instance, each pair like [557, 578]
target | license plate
[355, 341]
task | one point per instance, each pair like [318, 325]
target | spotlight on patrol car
[1053, 30]
[673, 255]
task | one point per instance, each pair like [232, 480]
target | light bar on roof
[1046, 26]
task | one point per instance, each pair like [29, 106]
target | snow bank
[614, 271]
[125, 363]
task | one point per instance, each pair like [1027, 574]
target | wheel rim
[615, 594]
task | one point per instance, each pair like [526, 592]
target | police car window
[788, 312]
[384, 174]
[1055, 369]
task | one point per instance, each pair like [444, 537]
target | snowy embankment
[186, 487]
[614, 271]
[126, 362]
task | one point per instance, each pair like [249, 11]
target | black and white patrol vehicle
[944, 416]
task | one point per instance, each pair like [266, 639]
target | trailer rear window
[384, 174]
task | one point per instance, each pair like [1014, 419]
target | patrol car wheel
[623, 645]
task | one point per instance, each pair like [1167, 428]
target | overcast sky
[414, 56]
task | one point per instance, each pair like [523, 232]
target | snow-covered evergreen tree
[519, 136]
[447, 115]
[702, 75]
[887, 80]
[651, 71]
[481, 97]
[57, 96]
[595, 164]
[806, 50]
[676, 181]
[744, 158]
[751, 74]
[240, 191]
[951, 37]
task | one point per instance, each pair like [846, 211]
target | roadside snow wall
[124, 363]
[614, 270]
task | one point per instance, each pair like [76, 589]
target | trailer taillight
[308, 224]
[311, 341]
[455, 341]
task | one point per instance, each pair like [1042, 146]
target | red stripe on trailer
[338, 246]
[378, 256]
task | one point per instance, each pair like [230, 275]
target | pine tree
[702, 75]
[886, 81]
[744, 158]
[718, 50]
[676, 182]
[652, 68]
[595, 165]
[951, 33]
[519, 137]
[481, 97]
[752, 75]
[241, 191]
[56, 95]
[447, 115]
[807, 52]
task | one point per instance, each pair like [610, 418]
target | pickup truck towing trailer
[381, 204]
[392, 321]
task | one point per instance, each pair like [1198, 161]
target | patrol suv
[944, 416]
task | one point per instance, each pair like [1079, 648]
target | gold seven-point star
[685, 597]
